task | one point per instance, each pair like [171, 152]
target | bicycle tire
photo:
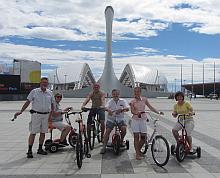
[72, 139]
[85, 145]
[180, 152]
[98, 131]
[160, 150]
[79, 151]
[91, 136]
[116, 145]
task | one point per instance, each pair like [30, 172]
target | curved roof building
[138, 75]
[72, 76]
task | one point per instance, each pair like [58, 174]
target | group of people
[46, 110]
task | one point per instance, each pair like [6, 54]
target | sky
[160, 34]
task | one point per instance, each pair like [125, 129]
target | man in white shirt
[115, 108]
[42, 103]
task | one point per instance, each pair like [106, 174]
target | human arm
[26, 104]
[86, 100]
[152, 108]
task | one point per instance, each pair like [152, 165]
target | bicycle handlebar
[84, 109]
[185, 115]
[13, 119]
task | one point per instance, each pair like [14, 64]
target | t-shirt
[41, 100]
[113, 106]
[59, 117]
[185, 108]
[139, 106]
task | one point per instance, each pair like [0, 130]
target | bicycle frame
[183, 138]
[150, 140]
[117, 132]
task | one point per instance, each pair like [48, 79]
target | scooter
[54, 145]
[182, 149]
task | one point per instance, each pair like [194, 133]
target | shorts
[139, 125]
[189, 125]
[59, 125]
[39, 123]
[93, 113]
[111, 125]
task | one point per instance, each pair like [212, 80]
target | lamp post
[54, 79]
[65, 81]
[214, 80]
[175, 85]
[184, 82]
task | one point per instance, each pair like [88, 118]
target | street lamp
[184, 81]
[175, 84]
[54, 79]
[65, 81]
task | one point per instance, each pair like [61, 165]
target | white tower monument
[108, 80]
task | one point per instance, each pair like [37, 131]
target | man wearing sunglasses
[57, 120]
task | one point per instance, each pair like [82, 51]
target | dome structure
[138, 75]
[72, 76]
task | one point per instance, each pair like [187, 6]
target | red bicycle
[182, 148]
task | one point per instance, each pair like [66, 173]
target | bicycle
[116, 139]
[82, 143]
[183, 148]
[95, 127]
[159, 146]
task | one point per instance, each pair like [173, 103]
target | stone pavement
[13, 141]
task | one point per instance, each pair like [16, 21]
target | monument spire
[108, 79]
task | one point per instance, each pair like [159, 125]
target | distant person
[57, 119]
[42, 103]
[138, 122]
[98, 102]
[183, 107]
[115, 108]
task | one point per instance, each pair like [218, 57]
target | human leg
[30, 145]
[175, 131]
[189, 129]
[101, 115]
[105, 139]
[136, 145]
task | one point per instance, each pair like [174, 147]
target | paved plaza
[13, 141]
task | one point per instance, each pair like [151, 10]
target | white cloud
[84, 19]
[169, 65]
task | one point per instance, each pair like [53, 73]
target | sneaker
[122, 144]
[41, 152]
[29, 154]
[64, 143]
[103, 150]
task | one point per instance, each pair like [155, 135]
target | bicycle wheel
[79, 151]
[180, 152]
[116, 144]
[92, 135]
[160, 150]
[72, 139]
[98, 131]
[85, 145]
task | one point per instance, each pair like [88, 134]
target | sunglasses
[58, 96]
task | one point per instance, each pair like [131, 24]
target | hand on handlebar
[68, 109]
[161, 113]
[174, 114]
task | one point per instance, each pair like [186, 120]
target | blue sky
[158, 34]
